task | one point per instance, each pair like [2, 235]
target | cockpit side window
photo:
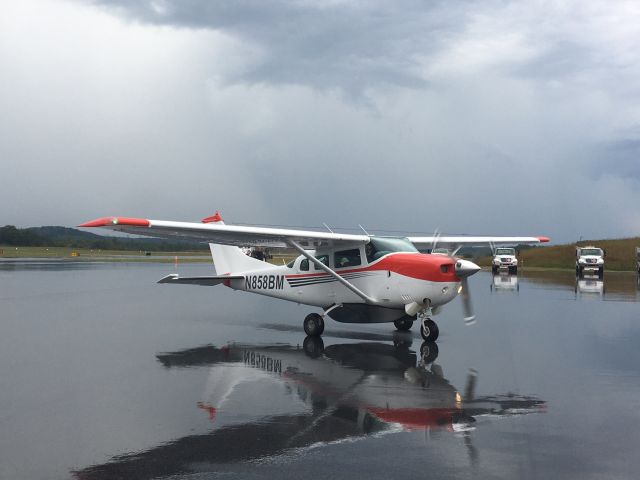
[304, 265]
[347, 258]
[380, 246]
[324, 259]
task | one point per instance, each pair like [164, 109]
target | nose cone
[465, 268]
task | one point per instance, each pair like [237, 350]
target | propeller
[436, 236]
[464, 269]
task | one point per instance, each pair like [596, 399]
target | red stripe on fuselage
[414, 265]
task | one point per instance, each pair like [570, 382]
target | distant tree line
[72, 238]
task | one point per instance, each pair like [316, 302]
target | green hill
[620, 255]
[52, 236]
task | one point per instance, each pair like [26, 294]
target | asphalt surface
[105, 374]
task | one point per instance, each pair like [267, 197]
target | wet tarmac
[106, 375]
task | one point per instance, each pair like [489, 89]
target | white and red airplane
[353, 278]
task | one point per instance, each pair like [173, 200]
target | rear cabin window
[347, 258]
[323, 259]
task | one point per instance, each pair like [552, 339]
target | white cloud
[159, 114]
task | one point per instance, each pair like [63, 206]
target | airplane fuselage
[395, 280]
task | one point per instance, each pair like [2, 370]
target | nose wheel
[429, 330]
[313, 325]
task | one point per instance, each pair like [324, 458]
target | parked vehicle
[505, 259]
[589, 260]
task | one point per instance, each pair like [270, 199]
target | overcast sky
[474, 117]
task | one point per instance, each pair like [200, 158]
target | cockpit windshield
[505, 251]
[381, 246]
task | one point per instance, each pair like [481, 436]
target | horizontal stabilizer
[206, 281]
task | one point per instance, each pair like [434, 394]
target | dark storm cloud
[401, 115]
[620, 158]
[350, 45]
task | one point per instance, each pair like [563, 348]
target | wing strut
[319, 264]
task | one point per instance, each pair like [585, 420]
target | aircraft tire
[403, 324]
[428, 352]
[313, 325]
[313, 346]
[513, 270]
[601, 272]
[432, 331]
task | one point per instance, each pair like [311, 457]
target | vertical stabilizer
[229, 259]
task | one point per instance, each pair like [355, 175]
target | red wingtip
[544, 239]
[106, 221]
[213, 218]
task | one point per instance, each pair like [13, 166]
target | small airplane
[353, 278]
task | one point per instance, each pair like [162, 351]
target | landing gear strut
[429, 330]
[313, 325]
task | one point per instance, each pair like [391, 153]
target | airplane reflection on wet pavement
[341, 391]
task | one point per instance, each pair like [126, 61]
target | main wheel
[313, 325]
[601, 272]
[513, 270]
[429, 330]
[403, 324]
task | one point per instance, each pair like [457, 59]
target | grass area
[81, 254]
[620, 255]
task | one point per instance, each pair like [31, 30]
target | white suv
[589, 260]
[505, 258]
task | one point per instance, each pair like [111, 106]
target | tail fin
[228, 259]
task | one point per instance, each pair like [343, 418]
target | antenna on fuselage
[327, 227]
[366, 233]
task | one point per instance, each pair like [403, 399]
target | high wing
[228, 234]
[454, 242]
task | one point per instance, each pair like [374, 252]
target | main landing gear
[403, 324]
[314, 325]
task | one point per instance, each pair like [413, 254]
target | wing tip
[544, 239]
[108, 221]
